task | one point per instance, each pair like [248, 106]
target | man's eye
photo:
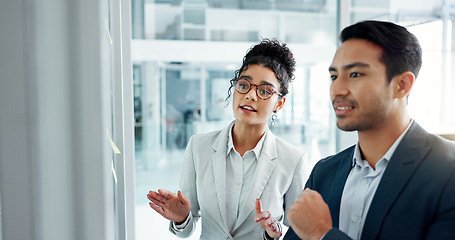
[355, 74]
[333, 77]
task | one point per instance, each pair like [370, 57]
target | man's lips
[342, 108]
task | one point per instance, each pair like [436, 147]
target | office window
[214, 20]
[174, 101]
[430, 102]
[179, 92]
[432, 23]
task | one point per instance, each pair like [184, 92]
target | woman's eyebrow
[263, 82]
[246, 77]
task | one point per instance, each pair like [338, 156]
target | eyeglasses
[263, 91]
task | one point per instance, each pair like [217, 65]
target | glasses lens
[265, 91]
[242, 86]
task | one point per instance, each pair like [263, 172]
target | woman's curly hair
[273, 55]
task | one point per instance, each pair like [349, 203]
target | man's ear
[280, 104]
[403, 83]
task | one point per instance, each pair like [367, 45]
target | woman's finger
[160, 197]
[156, 208]
[183, 199]
[166, 194]
[262, 216]
[258, 206]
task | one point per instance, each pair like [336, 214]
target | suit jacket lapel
[336, 190]
[219, 173]
[408, 155]
[263, 172]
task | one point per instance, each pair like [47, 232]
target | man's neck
[375, 143]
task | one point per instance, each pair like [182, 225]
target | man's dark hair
[401, 49]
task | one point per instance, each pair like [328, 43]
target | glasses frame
[257, 89]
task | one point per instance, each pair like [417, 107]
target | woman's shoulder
[210, 137]
[287, 148]
[286, 145]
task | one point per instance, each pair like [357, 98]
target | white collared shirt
[360, 188]
[239, 180]
[239, 177]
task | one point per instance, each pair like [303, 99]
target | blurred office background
[185, 52]
[99, 98]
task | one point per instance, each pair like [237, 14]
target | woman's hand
[174, 207]
[266, 221]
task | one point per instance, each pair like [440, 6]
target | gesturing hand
[266, 221]
[174, 207]
[309, 215]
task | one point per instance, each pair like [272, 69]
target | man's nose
[339, 87]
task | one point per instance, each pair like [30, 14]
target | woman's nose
[252, 93]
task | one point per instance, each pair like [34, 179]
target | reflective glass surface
[175, 99]
[312, 22]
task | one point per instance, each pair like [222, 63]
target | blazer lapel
[263, 172]
[408, 155]
[219, 174]
[336, 190]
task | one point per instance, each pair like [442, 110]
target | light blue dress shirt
[360, 188]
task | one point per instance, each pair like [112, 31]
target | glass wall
[185, 52]
[432, 23]
[430, 102]
[187, 99]
[300, 21]
[181, 91]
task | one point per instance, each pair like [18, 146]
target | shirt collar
[388, 155]
[256, 150]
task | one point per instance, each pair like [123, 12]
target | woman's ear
[280, 104]
[403, 83]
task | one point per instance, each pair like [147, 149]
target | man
[398, 181]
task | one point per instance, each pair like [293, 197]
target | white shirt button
[364, 181]
[355, 219]
[238, 182]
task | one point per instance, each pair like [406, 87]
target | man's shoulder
[333, 162]
[346, 153]
[445, 145]
[438, 147]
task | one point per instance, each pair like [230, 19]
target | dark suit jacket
[415, 198]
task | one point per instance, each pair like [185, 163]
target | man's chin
[346, 127]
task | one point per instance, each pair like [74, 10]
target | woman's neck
[246, 137]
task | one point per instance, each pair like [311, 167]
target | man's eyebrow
[349, 66]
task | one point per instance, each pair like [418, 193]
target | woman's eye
[263, 91]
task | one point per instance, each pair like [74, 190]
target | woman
[225, 171]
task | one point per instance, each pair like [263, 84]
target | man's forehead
[358, 53]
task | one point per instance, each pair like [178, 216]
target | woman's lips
[248, 108]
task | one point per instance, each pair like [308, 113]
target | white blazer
[278, 180]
